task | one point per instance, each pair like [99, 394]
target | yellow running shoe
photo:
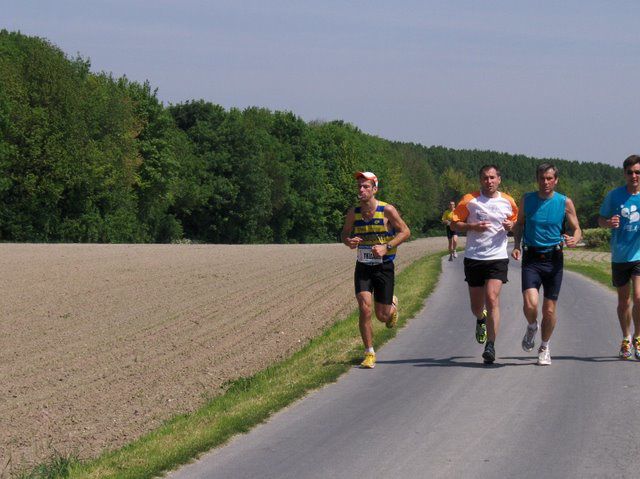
[481, 328]
[394, 316]
[369, 361]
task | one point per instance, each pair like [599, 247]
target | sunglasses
[633, 172]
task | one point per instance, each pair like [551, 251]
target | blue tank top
[543, 219]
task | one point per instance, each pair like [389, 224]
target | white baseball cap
[367, 175]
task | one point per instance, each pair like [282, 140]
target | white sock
[628, 338]
[369, 350]
[532, 326]
[544, 344]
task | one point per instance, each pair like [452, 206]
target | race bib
[365, 255]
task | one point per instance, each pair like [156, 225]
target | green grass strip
[250, 401]
[598, 271]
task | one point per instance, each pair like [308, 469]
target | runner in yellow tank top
[374, 229]
[452, 236]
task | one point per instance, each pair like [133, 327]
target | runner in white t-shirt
[486, 216]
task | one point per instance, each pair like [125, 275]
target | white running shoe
[544, 356]
[455, 255]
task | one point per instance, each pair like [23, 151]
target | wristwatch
[389, 246]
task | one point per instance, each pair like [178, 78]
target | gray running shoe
[489, 354]
[544, 356]
[529, 339]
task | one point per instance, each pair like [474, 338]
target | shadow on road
[588, 359]
[453, 361]
[461, 361]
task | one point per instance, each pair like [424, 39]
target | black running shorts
[378, 279]
[477, 272]
[621, 272]
[450, 232]
[545, 272]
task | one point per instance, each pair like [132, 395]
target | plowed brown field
[101, 343]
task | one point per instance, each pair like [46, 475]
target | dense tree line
[85, 157]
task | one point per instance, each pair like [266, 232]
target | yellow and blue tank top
[373, 232]
[544, 219]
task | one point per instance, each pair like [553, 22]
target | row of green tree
[86, 157]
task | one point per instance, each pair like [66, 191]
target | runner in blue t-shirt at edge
[620, 211]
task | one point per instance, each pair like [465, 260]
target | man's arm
[518, 230]
[612, 222]
[345, 235]
[604, 220]
[461, 213]
[402, 231]
[572, 219]
[463, 227]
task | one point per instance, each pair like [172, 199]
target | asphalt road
[431, 409]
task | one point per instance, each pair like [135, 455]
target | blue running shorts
[546, 272]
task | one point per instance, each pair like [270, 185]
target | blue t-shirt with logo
[625, 240]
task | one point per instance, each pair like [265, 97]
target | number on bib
[365, 255]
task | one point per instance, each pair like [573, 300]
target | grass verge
[58, 466]
[598, 271]
[250, 401]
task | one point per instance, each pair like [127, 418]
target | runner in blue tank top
[620, 211]
[540, 230]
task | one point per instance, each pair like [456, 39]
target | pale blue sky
[550, 78]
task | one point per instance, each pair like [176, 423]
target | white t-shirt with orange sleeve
[492, 243]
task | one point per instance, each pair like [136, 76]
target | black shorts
[621, 272]
[546, 272]
[477, 272]
[378, 279]
[450, 232]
